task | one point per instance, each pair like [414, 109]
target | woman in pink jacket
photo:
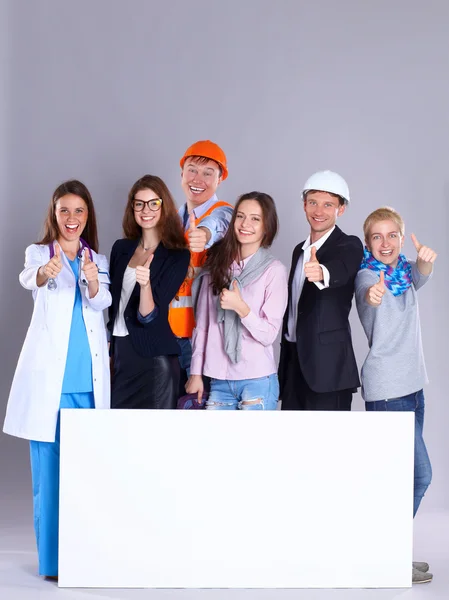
[240, 299]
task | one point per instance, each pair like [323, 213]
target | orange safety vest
[180, 314]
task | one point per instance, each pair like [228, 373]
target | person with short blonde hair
[385, 213]
[394, 373]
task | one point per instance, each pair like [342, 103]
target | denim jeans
[261, 393]
[423, 470]
[185, 358]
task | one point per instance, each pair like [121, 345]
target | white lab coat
[33, 404]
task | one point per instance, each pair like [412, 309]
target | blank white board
[169, 499]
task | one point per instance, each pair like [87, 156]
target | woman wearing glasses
[148, 267]
[64, 361]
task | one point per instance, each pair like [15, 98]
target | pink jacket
[267, 298]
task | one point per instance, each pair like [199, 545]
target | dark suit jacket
[167, 272]
[323, 333]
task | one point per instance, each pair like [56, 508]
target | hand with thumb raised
[232, 300]
[148, 262]
[417, 245]
[54, 265]
[143, 272]
[426, 256]
[90, 269]
[312, 268]
[376, 292]
[198, 236]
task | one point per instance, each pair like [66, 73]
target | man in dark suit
[317, 367]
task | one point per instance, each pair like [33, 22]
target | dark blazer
[167, 272]
[323, 333]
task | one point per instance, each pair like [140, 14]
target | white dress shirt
[298, 283]
[128, 285]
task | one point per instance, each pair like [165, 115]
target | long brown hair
[51, 231]
[222, 254]
[169, 226]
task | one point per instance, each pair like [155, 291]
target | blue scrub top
[78, 367]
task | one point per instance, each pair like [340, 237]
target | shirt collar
[241, 265]
[319, 243]
[199, 211]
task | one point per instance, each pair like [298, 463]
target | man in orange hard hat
[205, 219]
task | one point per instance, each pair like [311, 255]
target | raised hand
[376, 292]
[89, 269]
[425, 254]
[54, 265]
[198, 237]
[232, 300]
[312, 268]
[143, 272]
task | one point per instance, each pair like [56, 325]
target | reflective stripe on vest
[182, 302]
[180, 314]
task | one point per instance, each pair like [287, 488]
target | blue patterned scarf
[397, 280]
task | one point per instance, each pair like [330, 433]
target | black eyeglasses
[154, 205]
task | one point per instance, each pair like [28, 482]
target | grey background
[107, 91]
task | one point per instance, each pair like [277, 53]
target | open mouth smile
[196, 190]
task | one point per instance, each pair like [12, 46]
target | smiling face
[322, 210]
[71, 217]
[147, 218]
[249, 225]
[384, 241]
[200, 180]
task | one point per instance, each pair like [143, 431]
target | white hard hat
[327, 181]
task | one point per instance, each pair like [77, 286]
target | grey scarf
[232, 325]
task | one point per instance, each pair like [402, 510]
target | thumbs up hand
[54, 265]
[57, 254]
[198, 236]
[375, 293]
[426, 256]
[143, 272]
[312, 268]
[232, 300]
[89, 269]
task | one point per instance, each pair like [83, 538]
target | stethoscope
[51, 283]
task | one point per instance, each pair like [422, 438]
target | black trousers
[297, 395]
[142, 382]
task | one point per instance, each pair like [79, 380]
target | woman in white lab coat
[64, 360]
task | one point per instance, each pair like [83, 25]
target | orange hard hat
[209, 150]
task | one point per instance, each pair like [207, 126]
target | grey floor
[18, 560]
[18, 579]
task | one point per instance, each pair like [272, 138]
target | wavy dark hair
[169, 226]
[222, 254]
[51, 230]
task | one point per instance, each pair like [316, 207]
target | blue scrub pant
[45, 477]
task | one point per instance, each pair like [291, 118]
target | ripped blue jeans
[261, 393]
